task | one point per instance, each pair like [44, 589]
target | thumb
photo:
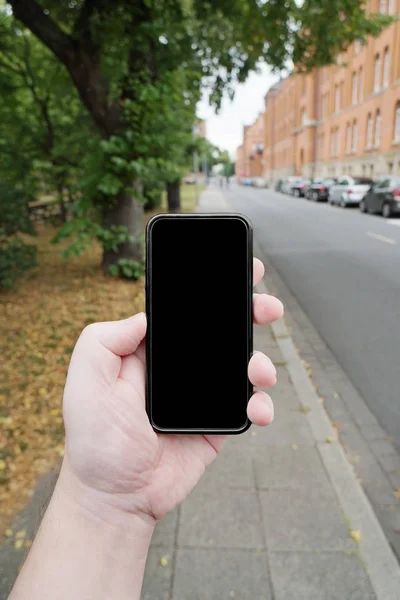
[119, 337]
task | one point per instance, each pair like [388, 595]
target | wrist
[95, 508]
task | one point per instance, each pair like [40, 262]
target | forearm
[84, 552]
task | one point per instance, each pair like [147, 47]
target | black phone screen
[199, 307]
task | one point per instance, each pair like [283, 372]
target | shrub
[16, 256]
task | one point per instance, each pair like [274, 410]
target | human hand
[114, 462]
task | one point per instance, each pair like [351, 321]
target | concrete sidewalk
[280, 514]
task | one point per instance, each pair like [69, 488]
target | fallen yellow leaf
[295, 447]
[3, 464]
[304, 409]
[330, 440]
[164, 561]
[8, 532]
[43, 392]
[21, 533]
[18, 544]
[397, 493]
[355, 534]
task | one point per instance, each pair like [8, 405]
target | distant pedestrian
[227, 182]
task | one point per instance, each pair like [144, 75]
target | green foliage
[138, 69]
[14, 211]
[152, 195]
[127, 268]
[16, 257]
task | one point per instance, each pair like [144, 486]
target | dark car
[319, 189]
[299, 188]
[278, 185]
[383, 197]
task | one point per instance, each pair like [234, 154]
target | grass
[40, 322]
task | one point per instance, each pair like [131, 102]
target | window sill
[396, 143]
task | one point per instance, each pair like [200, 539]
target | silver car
[349, 190]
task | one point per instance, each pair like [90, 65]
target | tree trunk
[127, 210]
[174, 197]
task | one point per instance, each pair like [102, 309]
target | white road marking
[381, 238]
[393, 222]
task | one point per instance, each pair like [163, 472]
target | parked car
[190, 180]
[289, 182]
[260, 182]
[383, 197]
[319, 189]
[299, 188]
[246, 181]
[349, 190]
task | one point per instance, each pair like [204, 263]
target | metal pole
[205, 174]
[196, 174]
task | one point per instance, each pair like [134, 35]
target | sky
[225, 129]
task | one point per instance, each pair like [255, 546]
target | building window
[391, 7]
[361, 84]
[337, 98]
[355, 136]
[386, 63]
[369, 132]
[382, 6]
[354, 88]
[377, 73]
[357, 47]
[323, 106]
[378, 127]
[348, 138]
[397, 123]
[337, 142]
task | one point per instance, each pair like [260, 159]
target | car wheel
[296, 193]
[386, 211]
[363, 206]
[315, 196]
[343, 203]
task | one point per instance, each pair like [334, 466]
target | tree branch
[79, 56]
[42, 25]
[41, 102]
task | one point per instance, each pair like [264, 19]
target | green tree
[44, 128]
[120, 56]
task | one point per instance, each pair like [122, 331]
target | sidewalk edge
[379, 560]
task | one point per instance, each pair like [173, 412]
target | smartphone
[199, 278]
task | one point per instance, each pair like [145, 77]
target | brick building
[341, 119]
[249, 156]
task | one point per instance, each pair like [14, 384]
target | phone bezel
[149, 334]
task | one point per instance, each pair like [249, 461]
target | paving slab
[304, 520]
[288, 467]
[319, 576]
[221, 575]
[158, 578]
[221, 517]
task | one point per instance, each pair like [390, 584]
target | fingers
[258, 270]
[260, 409]
[261, 371]
[266, 309]
[119, 337]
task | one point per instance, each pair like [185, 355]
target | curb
[375, 551]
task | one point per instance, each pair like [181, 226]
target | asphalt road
[344, 269]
